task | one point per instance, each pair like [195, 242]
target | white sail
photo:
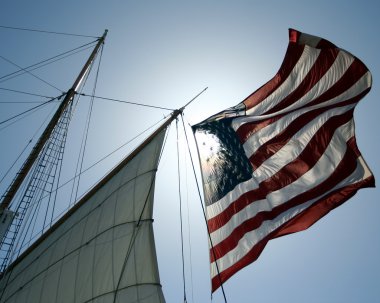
[103, 249]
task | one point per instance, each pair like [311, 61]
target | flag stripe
[305, 219]
[260, 137]
[248, 126]
[272, 198]
[311, 119]
[288, 174]
[353, 74]
[292, 56]
[323, 64]
[314, 213]
[302, 67]
[261, 173]
[271, 147]
[344, 169]
[351, 171]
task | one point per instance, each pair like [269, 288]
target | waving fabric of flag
[285, 156]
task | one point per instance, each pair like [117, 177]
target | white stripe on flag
[319, 173]
[272, 130]
[260, 174]
[252, 238]
[335, 72]
[300, 70]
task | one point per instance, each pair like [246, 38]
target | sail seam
[123, 288]
[138, 225]
[101, 203]
[70, 253]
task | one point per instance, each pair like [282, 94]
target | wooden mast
[15, 185]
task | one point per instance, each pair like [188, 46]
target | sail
[103, 249]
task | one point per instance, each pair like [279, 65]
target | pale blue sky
[165, 52]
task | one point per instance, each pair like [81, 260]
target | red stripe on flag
[353, 74]
[288, 174]
[250, 128]
[323, 44]
[292, 56]
[294, 35]
[310, 215]
[272, 146]
[345, 168]
[325, 60]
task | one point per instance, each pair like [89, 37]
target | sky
[163, 53]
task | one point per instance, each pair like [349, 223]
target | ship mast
[23, 172]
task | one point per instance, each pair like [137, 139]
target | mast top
[104, 34]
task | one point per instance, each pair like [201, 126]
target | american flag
[285, 156]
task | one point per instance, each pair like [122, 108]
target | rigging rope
[188, 228]
[22, 92]
[29, 142]
[41, 180]
[203, 208]
[26, 71]
[106, 156]
[20, 118]
[50, 159]
[128, 102]
[14, 163]
[45, 31]
[47, 61]
[30, 109]
[88, 119]
[180, 216]
[138, 224]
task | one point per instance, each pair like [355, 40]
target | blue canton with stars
[223, 161]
